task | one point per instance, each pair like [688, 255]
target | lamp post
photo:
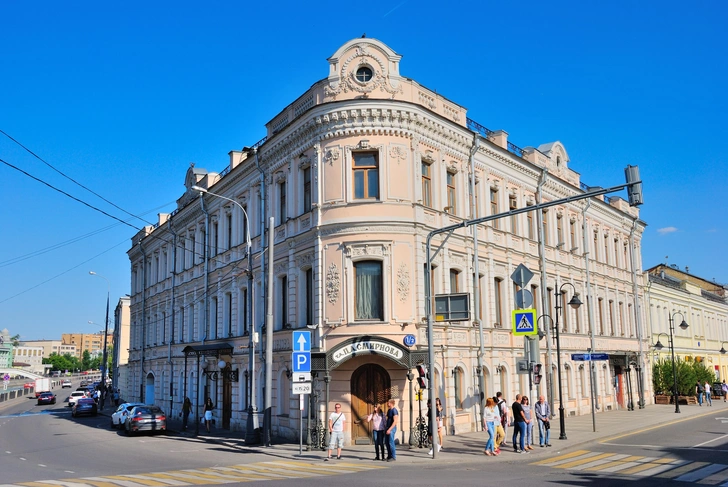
[659, 346]
[722, 348]
[251, 424]
[575, 302]
[104, 365]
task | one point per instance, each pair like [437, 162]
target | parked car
[84, 406]
[46, 398]
[118, 417]
[75, 396]
[145, 418]
[83, 383]
[66, 383]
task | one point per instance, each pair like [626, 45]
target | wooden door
[620, 385]
[227, 398]
[370, 387]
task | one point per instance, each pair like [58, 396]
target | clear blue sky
[121, 98]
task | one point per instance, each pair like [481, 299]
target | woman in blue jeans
[492, 416]
[378, 421]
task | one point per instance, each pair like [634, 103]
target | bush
[688, 373]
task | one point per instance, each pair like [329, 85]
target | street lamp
[575, 302]
[106, 332]
[659, 346]
[251, 425]
[722, 348]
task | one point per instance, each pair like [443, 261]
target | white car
[119, 416]
[66, 383]
[75, 396]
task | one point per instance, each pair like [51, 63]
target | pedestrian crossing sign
[524, 322]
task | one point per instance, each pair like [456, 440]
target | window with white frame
[494, 206]
[426, 184]
[513, 205]
[498, 300]
[368, 291]
[306, 189]
[282, 209]
[451, 193]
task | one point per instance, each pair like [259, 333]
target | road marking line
[620, 466]
[168, 475]
[35, 484]
[702, 473]
[659, 469]
[99, 482]
[165, 481]
[123, 481]
[716, 478]
[592, 465]
[656, 426]
[561, 457]
[583, 460]
[639, 468]
[242, 474]
[138, 481]
[682, 470]
[710, 441]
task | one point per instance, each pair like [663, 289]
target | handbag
[547, 425]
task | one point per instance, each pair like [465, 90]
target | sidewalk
[466, 447]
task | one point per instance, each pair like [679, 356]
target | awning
[209, 350]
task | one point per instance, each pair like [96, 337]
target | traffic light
[422, 377]
[537, 373]
[634, 185]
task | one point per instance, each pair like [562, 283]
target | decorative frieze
[333, 283]
[403, 282]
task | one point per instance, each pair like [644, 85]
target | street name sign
[589, 356]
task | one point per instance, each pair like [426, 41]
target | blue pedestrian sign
[301, 356]
[524, 322]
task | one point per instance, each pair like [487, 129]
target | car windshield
[86, 401]
[147, 410]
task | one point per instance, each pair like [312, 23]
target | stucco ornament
[332, 155]
[398, 153]
[403, 282]
[362, 55]
[333, 283]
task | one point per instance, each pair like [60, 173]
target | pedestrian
[440, 422]
[519, 425]
[492, 417]
[529, 422]
[186, 410]
[378, 425]
[724, 388]
[699, 392]
[336, 430]
[503, 410]
[438, 414]
[116, 396]
[207, 411]
[391, 432]
[708, 394]
[543, 414]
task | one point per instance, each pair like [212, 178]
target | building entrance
[370, 387]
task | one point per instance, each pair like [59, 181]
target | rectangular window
[578, 317]
[309, 297]
[451, 195]
[498, 295]
[620, 318]
[454, 278]
[629, 318]
[627, 260]
[243, 306]
[513, 205]
[211, 331]
[228, 314]
[284, 301]
[229, 228]
[545, 220]
[215, 239]
[565, 309]
[606, 249]
[529, 224]
[494, 205]
[611, 317]
[560, 229]
[596, 245]
[572, 234]
[366, 175]
[457, 380]
[307, 189]
[426, 184]
[616, 253]
[476, 200]
[245, 224]
[368, 292]
[282, 213]
[601, 315]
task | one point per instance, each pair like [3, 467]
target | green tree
[86, 360]
[663, 380]
[703, 373]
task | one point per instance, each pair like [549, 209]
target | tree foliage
[688, 374]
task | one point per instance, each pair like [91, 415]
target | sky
[104, 105]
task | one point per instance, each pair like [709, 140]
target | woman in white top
[492, 416]
[378, 423]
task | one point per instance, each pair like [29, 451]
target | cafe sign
[374, 347]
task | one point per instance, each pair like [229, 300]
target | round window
[364, 74]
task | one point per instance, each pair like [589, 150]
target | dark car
[46, 398]
[145, 418]
[84, 406]
[83, 383]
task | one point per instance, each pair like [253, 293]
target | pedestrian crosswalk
[278, 470]
[641, 466]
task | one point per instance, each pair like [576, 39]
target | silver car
[145, 418]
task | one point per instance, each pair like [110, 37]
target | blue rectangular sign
[301, 362]
[301, 341]
[589, 356]
[600, 356]
[579, 356]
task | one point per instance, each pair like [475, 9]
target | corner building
[355, 173]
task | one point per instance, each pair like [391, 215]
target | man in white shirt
[336, 430]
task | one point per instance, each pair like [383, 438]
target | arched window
[457, 382]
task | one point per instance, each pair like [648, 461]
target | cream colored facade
[355, 173]
[52, 346]
[120, 378]
[677, 294]
[29, 358]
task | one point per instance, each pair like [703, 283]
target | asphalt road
[44, 444]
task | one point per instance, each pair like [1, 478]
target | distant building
[93, 342]
[6, 350]
[52, 346]
[703, 304]
[29, 358]
[120, 376]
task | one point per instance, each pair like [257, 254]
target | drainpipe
[544, 299]
[590, 314]
[638, 317]
[476, 284]
[144, 319]
[171, 336]
[263, 242]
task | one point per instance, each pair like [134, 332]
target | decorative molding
[403, 282]
[332, 155]
[398, 152]
[333, 283]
